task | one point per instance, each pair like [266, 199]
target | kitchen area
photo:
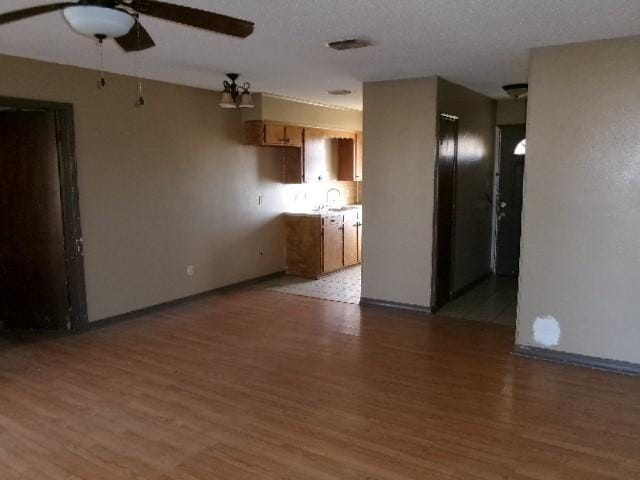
[323, 222]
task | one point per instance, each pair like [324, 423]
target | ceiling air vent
[349, 44]
[340, 91]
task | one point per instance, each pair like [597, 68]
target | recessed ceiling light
[349, 44]
[342, 91]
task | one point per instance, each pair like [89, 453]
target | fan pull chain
[101, 82]
[140, 101]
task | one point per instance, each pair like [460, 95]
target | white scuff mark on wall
[546, 331]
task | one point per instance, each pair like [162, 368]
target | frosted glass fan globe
[91, 21]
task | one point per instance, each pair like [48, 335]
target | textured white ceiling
[482, 44]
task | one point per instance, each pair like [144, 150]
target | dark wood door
[445, 209]
[509, 200]
[33, 283]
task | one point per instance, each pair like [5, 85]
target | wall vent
[349, 44]
[341, 91]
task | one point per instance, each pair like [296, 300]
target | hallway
[494, 300]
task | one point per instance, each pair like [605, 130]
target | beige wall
[581, 227]
[161, 187]
[474, 190]
[279, 109]
[399, 152]
[511, 112]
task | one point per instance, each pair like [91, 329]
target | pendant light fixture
[516, 90]
[234, 95]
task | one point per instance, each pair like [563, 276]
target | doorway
[41, 260]
[510, 177]
[493, 297]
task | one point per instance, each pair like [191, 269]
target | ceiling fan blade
[194, 17]
[137, 39]
[32, 12]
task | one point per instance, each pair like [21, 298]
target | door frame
[70, 198]
[436, 206]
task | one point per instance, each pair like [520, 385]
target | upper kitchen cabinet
[316, 152]
[359, 162]
[312, 155]
[350, 158]
[258, 132]
[317, 160]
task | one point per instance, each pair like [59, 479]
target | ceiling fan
[118, 19]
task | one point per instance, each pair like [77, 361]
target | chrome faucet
[332, 190]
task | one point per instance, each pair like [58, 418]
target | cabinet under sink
[321, 243]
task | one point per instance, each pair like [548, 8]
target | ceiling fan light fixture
[95, 21]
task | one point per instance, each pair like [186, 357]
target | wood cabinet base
[318, 245]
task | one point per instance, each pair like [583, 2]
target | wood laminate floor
[254, 384]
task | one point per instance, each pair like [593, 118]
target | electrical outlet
[260, 200]
[190, 270]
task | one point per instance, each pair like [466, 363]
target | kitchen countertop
[324, 211]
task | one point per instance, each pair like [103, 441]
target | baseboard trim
[172, 303]
[597, 363]
[395, 305]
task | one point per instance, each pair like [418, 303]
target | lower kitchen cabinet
[317, 244]
[332, 244]
[351, 238]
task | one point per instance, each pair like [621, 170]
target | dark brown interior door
[445, 209]
[509, 201]
[33, 283]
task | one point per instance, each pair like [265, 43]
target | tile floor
[494, 301]
[342, 286]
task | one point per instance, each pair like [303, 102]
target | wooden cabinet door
[274, 134]
[350, 238]
[359, 242]
[358, 160]
[293, 167]
[332, 247]
[315, 155]
[346, 159]
[293, 136]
